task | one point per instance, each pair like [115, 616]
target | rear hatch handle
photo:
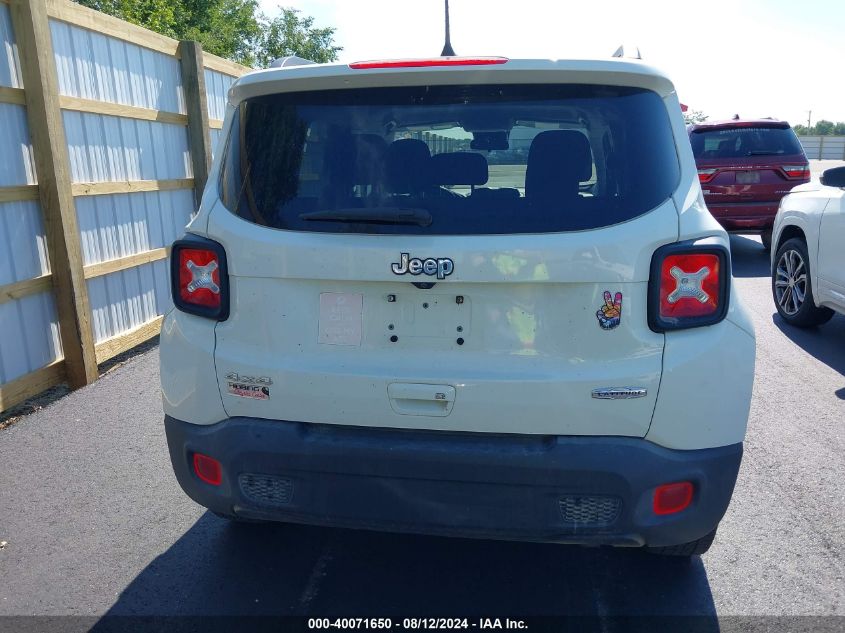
[421, 399]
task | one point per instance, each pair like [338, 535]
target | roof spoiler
[292, 60]
[631, 52]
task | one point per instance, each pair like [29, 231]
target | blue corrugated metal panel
[95, 66]
[10, 68]
[108, 148]
[29, 331]
[217, 90]
[29, 335]
[24, 246]
[121, 225]
[216, 135]
[125, 300]
[126, 224]
[16, 161]
[115, 226]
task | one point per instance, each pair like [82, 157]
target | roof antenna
[447, 48]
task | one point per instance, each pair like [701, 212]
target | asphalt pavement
[95, 523]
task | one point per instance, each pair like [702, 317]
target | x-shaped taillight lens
[689, 285]
[199, 281]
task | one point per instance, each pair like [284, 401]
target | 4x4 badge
[441, 266]
[610, 314]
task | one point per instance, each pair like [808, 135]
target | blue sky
[751, 57]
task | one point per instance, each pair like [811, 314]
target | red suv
[745, 167]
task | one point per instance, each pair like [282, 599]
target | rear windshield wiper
[371, 215]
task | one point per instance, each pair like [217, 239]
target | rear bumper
[595, 490]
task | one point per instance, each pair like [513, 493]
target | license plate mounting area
[747, 177]
[424, 316]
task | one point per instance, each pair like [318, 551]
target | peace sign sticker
[610, 314]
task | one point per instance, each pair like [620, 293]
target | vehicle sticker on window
[610, 314]
[243, 390]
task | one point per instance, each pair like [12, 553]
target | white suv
[808, 263]
[462, 296]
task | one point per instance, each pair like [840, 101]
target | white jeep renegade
[462, 296]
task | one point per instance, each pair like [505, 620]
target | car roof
[614, 72]
[732, 123]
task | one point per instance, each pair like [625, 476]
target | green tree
[234, 29]
[839, 129]
[694, 116]
[156, 15]
[290, 34]
[801, 130]
[824, 128]
[228, 28]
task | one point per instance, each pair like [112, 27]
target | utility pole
[809, 117]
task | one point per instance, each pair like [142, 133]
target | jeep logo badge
[442, 266]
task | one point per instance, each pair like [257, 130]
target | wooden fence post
[46, 129]
[196, 104]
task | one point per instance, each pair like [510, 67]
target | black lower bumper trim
[588, 490]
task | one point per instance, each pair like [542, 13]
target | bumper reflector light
[672, 498]
[208, 469]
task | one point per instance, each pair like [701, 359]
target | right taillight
[797, 172]
[689, 286]
[198, 278]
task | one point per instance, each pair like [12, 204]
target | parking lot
[96, 524]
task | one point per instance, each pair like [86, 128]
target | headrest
[560, 154]
[370, 151]
[459, 168]
[408, 166]
[338, 160]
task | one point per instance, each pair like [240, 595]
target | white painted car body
[816, 213]
[505, 396]
[698, 382]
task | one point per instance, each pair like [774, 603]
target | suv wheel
[686, 549]
[792, 289]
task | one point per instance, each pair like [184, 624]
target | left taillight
[689, 286]
[198, 278]
[706, 175]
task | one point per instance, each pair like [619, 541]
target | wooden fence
[106, 138]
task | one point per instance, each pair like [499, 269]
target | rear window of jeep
[450, 160]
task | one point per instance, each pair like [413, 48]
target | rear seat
[469, 168]
[404, 172]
